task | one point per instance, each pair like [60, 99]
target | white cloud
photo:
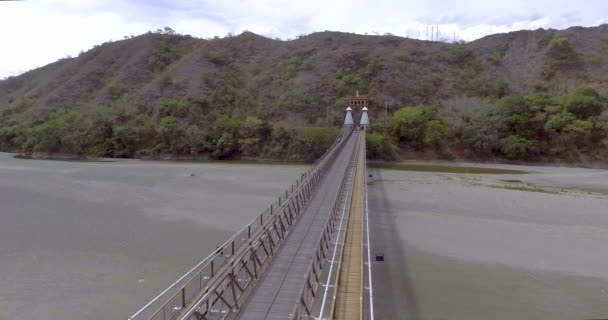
[37, 32]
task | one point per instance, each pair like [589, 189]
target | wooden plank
[349, 291]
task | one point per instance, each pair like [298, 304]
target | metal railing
[243, 257]
[304, 307]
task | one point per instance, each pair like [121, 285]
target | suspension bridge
[305, 257]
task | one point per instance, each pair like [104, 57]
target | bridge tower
[361, 103]
[348, 120]
[364, 118]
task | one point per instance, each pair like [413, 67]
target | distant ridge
[297, 79]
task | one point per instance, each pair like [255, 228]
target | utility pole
[427, 32]
[432, 32]
[438, 33]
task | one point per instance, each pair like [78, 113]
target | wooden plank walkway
[278, 291]
[349, 295]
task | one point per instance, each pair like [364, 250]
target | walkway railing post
[183, 297]
[263, 241]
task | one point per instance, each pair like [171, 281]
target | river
[96, 240]
[472, 246]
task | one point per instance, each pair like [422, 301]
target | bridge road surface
[278, 291]
[349, 293]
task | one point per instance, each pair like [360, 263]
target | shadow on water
[442, 168]
[234, 161]
[394, 292]
[64, 159]
[177, 161]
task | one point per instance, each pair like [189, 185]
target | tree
[407, 125]
[311, 143]
[165, 52]
[560, 141]
[561, 50]
[137, 137]
[281, 139]
[460, 54]
[169, 31]
[64, 131]
[171, 136]
[225, 138]
[558, 122]
[480, 137]
[173, 107]
[254, 133]
[516, 147]
[562, 57]
[585, 102]
[500, 88]
[436, 133]
[7, 138]
[379, 147]
[519, 117]
[539, 101]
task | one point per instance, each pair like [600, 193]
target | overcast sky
[36, 32]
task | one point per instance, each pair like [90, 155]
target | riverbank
[165, 159]
[413, 164]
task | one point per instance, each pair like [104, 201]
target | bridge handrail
[168, 295]
[231, 285]
[303, 308]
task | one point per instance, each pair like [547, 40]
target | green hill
[506, 96]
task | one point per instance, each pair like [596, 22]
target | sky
[34, 33]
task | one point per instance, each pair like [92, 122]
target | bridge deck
[348, 304]
[278, 291]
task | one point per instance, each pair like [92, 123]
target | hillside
[195, 81]
[308, 73]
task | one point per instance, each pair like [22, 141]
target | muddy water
[500, 247]
[97, 240]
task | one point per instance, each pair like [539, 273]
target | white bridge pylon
[348, 120]
[364, 118]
